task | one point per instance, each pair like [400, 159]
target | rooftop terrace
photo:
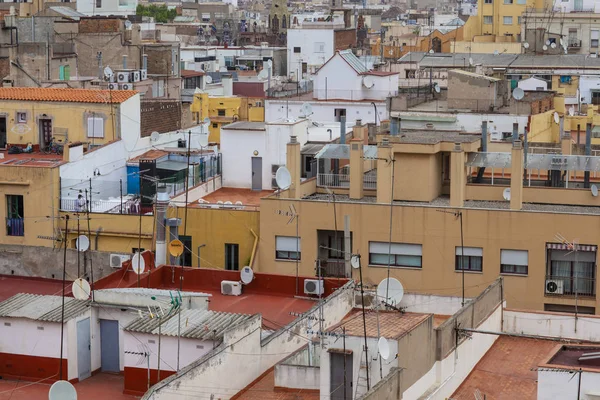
[35, 159]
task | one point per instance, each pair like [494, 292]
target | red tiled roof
[505, 370]
[265, 389]
[66, 95]
[190, 73]
[150, 155]
[392, 324]
[246, 196]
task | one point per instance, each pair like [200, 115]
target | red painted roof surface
[505, 372]
[11, 285]
[264, 389]
[246, 196]
[190, 73]
[36, 159]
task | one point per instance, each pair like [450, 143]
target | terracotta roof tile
[190, 73]
[66, 95]
[392, 324]
[150, 155]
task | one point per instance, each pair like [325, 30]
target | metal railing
[334, 268]
[574, 43]
[569, 286]
[370, 180]
[15, 227]
[333, 180]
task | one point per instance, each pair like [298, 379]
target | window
[514, 262]
[508, 1]
[95, 127]
[135, 250]
[488, 2]
[319, 47]
[21, 117]
[287, 248]
[519, 20]
[308, 160]
[297, 50]
[594, 38]
[186, 257]
[229, 62]
[522, 2]
[488, 20]
[400, 254]
[123, 3]
[409, 74]
[14, 215]
[507, 20]
[98, 3]
[472, 260]
[232, 256]
[221, 112]
[215, 125]
[575, 272]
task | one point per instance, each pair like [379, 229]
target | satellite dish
[154, 136]
[81, 289]
[368, 82]
[384, 348]
[270, 63]
[553, 45]
[471, 61]
[390, 290]
[246, 275]
[108, 72]
[203, 139]
[128, 24]
[283, 178]
[62, 390]
[571, 111]
[496, 52]
[307, 109]
[594, 190]
[506, 194]
[137, 263]
[544, 47]
[206, 121]
[437, 88]
[355, 261]
[431, 51]
[82, 243]
[518, 93]
[548, 42]
[208, 79]
[556, 118]
[526, 45]
[264, 74]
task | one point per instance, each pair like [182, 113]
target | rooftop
[245, 126]
[42, 307]
[474, 75]
[441, 106]
[189, 73]
[153, 154]
[36, 159]
[11, 285]
[433, 137]
[246, 196]
[66, 95]
[567, 357]
[265, 389]
[392, 324]
[505, 371]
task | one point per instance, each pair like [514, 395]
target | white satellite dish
[264, 74]
[553, 45]
[203, 139]
[246, 275]
[471, 62]
[506, 194]
[594, 190]
[390, 291]
[368, 82]
[384, 348]
[548, 42]
[138, 265]
[206, 121]
[283, 178]
[526, 45]
[437, 88]
[544, 47]
[81, 289]
[108, 72]
[208, 79]
[307, 109]
[556, 118]
[562, 42]
[62, 390]
[128, 24]
[431, 51]
[355, 261]
[571, 111]
[518, 93]
[496, 52]
[82, 243]
[270, 63]
[154, 136]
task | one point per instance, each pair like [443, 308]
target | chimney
[516, 176]
[357, 167]
[361, 132]
[145, 61]
[293, 165]
[458, 173]
[162, 202]
[515, 132]
[227, 81]
[588, 152]
[385, 152]
[342, 129]
[484, 137]
[394, 126]
[173, 224]
[124, 61]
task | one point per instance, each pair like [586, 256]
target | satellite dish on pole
[264, 74]
[283, 178]
[390, 291]
[137, 263]
[307, 109]
[154, 136]
[594, 190]
[518, 94]
[383, 347]
[355, 261]
[506, 194]
[246, 275]
[62, 390]
[81, 289]
[108, 72]
[82, 243]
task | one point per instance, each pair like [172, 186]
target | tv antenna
[246, 275]
[81, 289]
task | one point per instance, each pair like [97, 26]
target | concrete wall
[483, 94]
[324, 111]
[416, 352]
[297, 377]
[430, 303]
[388, 388]
[564, 385]
[306, 39]
[551, 324]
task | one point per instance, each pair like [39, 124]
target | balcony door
[575, 269]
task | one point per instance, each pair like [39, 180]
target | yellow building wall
[39, 187]
[543, 129]
[486, 47]
[439, 234]
[66, 117]
[199, 106]
[231, 106]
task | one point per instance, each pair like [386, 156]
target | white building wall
[431, 304]
[237, 149]
[568, 6]
[324, 111]
[587, 83]
[338, 80]
[311, 53]
[533, 84]
[467, 122]
[23, 337]
[107, 7]
[552, 324]
[564, 385]
[297, 377]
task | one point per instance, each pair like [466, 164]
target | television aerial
[62, 390]
[368, 82]
[355, 261]
[208, 79]
[154, 136]
[571, 111]
[246, 275]
[526, 45]
[383, 347]
[594, 190]
[283, 178]
[437, 88]
[307, 109]
[81, 289]
[390, 291]
[82, 243]
[138, 265]
[518, 93]
[556, 118]
[506, 194]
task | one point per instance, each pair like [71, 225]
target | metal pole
[148, 358]
[187, 179]
[579, 386]
[90, 205]
[362, 301]
[90, 250]
[297, 258]
[62, 315]
[121, 191]
[462, 258]
[77, 247]
[140, 233]
[344, 342]
[158, 361]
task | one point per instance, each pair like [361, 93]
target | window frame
[504, 20]
[470, 258]
[396, 257]
[489, 18]
[19, 114]
[17, 214]
[297, 50]
[92, 133]
[235, 249]
[221, 112]
[505, 268]
[288, 254]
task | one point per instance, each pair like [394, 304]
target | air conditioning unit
[113, 86]
[116, 260]
[313, 286]
[135, 76]
[126, 86]
[231, 288]
[554, 286]
[123, 77]
[143, 74]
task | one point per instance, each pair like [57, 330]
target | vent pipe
[162, 202]
[588, 152]
[515, 133]
[124, 61]
[342, 129]
[484, 141]
[394, 126]
[145, 61]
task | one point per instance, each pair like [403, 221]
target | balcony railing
[570, 286]
[333, 180]
[15, 227]
[574, 43]
[334, 268]
[370, 180]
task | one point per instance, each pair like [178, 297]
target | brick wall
[344, 39]
[160, 115]
[100, 25]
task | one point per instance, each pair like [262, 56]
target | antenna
[62, 390]
[208, 79]
[518, 94]
[81, 289]
[384, 348]
[594, 190]
[138, 264]
[506, 194]
[556, 117]
[154, 136]
[283, 178]
[82, 243]
[264, 74]
[307, 109]
[246, 275]
[391, 291]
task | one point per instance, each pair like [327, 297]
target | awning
[342, 152]
[568, 247]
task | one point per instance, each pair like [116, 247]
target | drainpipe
[588, 152]
[343, 129]
[484, 141]
[96, 238]
[515, 133]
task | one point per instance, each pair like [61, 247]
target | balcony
[343, 180]
[15, 227]
[574, 43]
[570, 286]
